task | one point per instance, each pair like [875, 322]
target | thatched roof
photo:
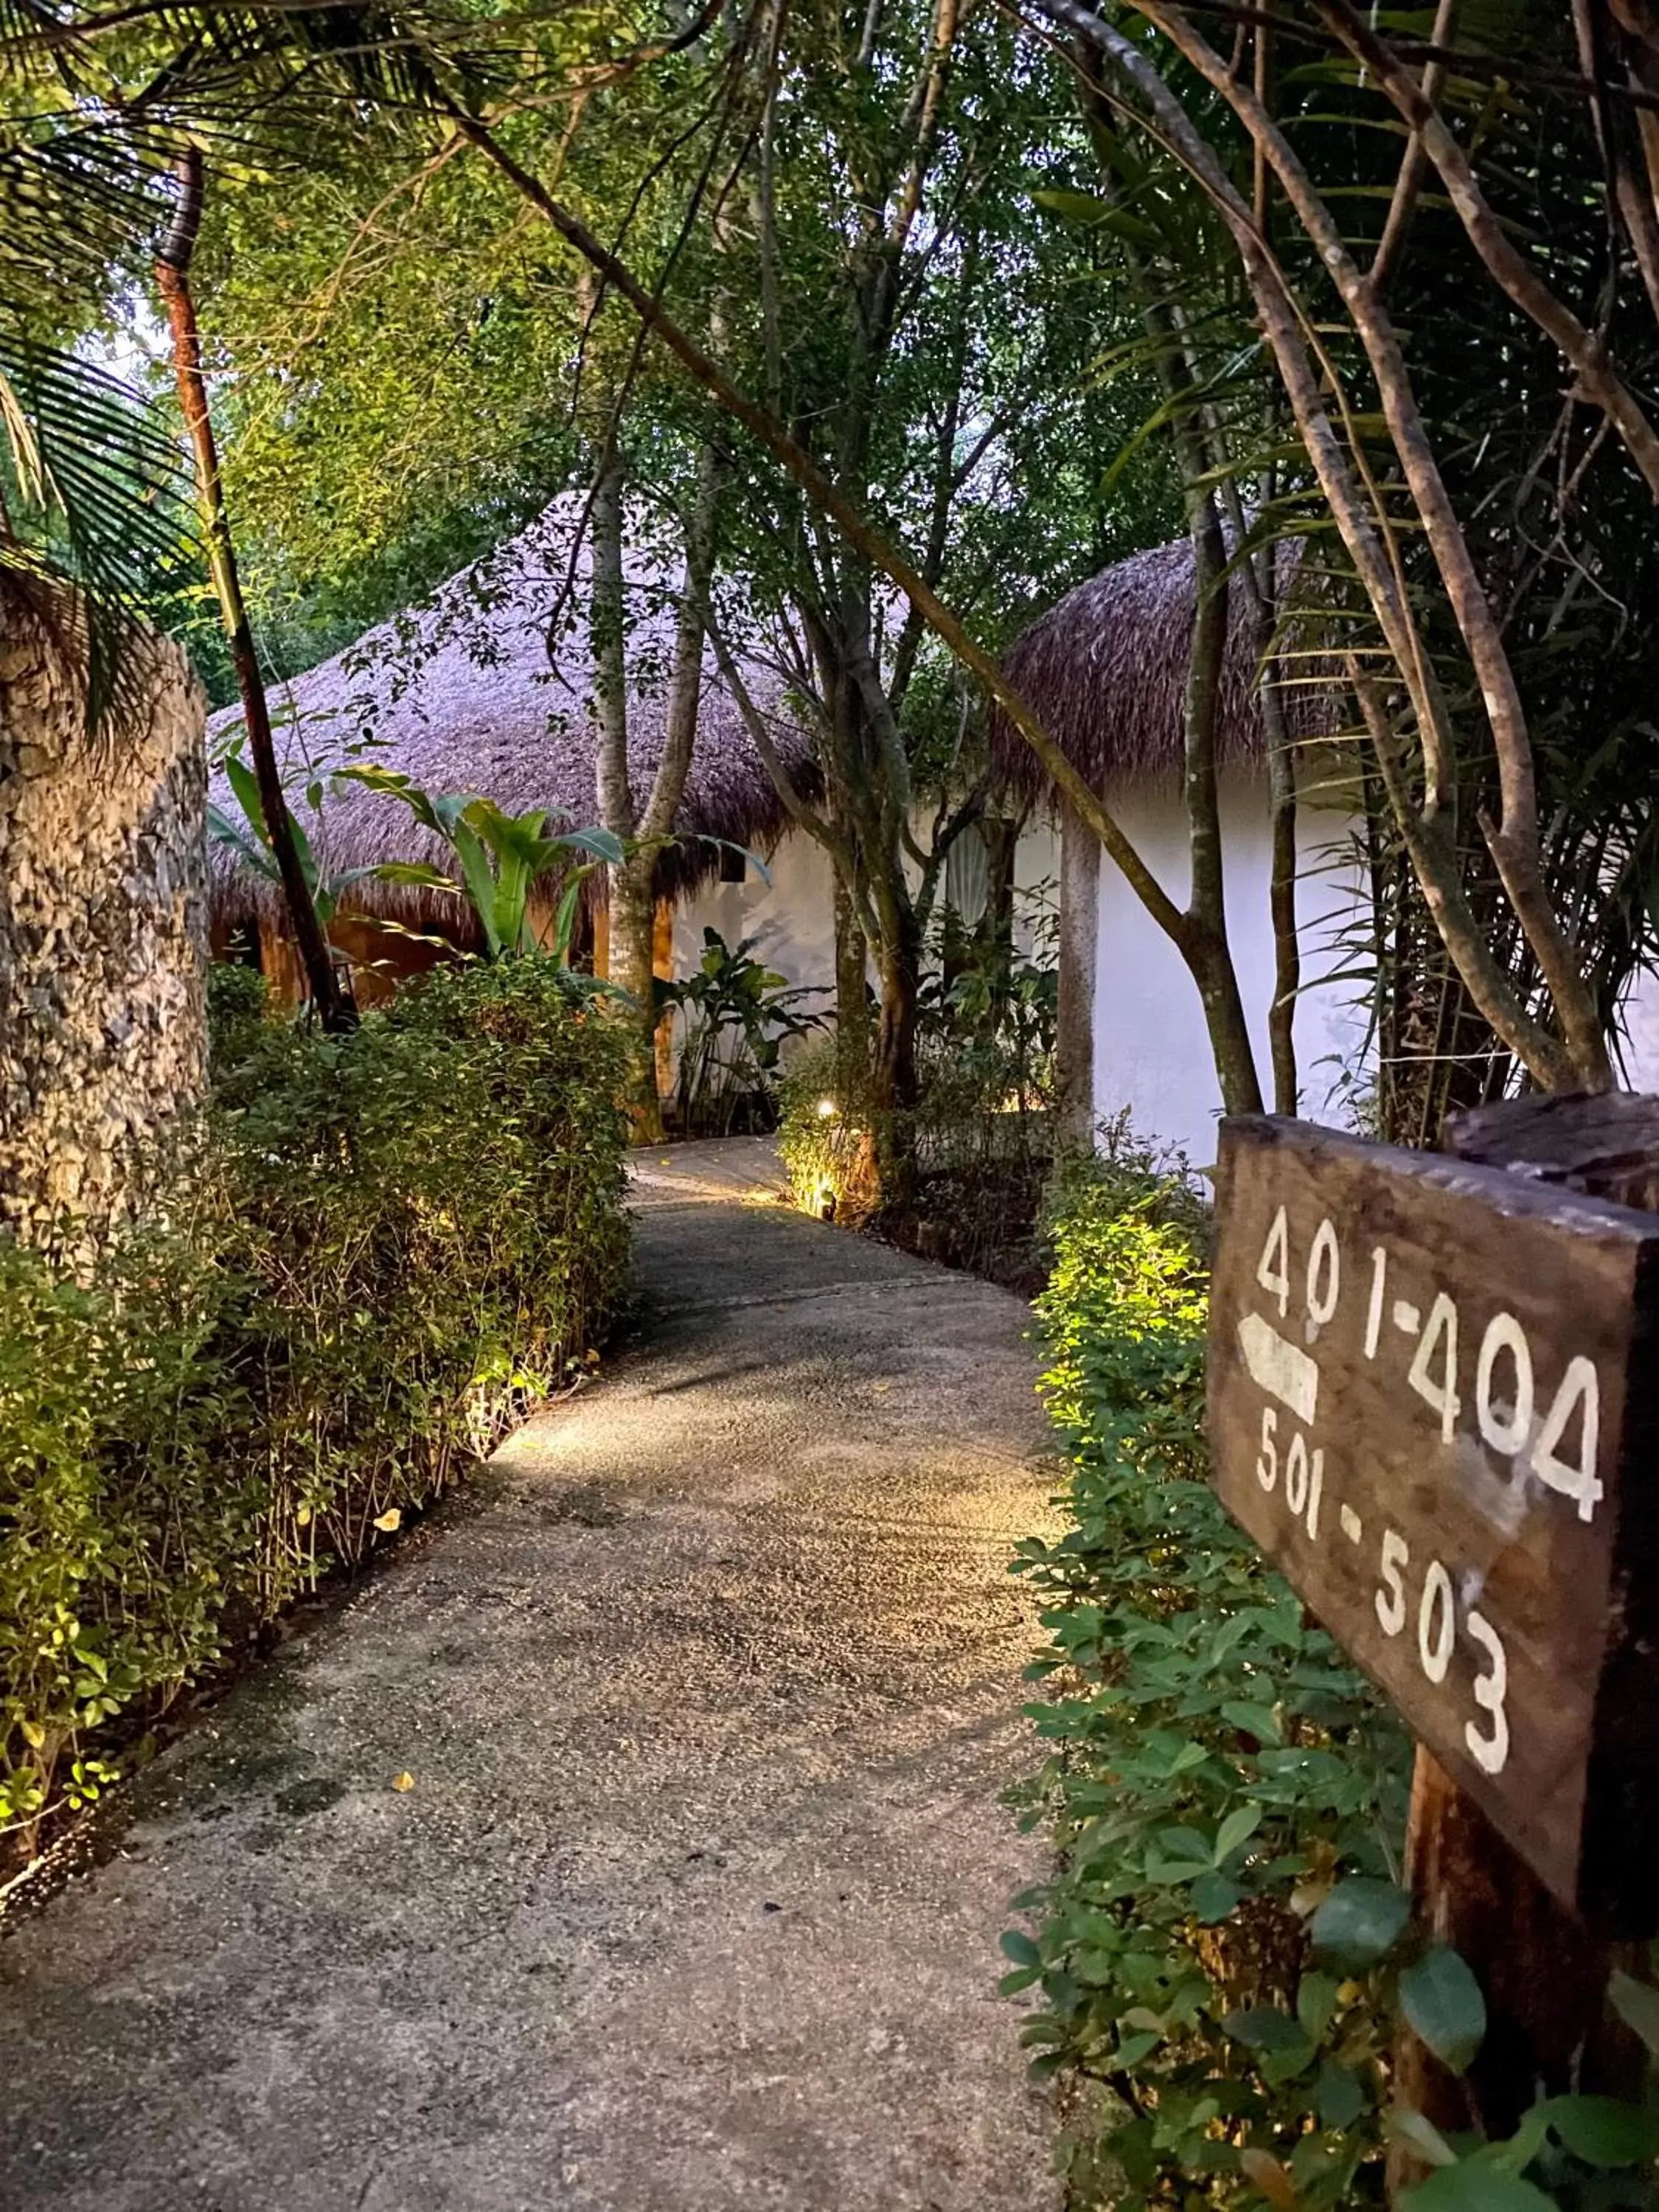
[1106, 671]
[461, 694]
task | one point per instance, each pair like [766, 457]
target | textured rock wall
[103, 926]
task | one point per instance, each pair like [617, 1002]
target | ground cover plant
[371, 1252]
[1213, 1765]
[1222, 1958]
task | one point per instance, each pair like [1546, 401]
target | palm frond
[99, 481]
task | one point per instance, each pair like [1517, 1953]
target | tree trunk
[334, 1009]
[853, 1039]
[632, 904]
[633, 969]
[103, 922]
[895, 1084]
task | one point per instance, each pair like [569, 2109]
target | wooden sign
[1433, 1392]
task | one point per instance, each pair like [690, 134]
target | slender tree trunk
[852, 996]
[1079, 949]
[896, 1084]
[1209, 955]
[334, 1009]
[633, 969]
[631, 898]
[1281, 817]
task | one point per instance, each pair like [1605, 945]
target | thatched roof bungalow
[1106, 669]
[463, 693]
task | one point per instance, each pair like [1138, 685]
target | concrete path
[708, 1688]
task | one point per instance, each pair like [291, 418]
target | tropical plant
[502, 858]
[1460, 505]
[250, 839]
[737, 1016]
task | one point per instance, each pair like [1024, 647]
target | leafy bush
[238, 1006]
[737, 1013]
[959, 1176]
[1215, 1767]
[370, 1254]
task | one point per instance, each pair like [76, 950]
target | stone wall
[103, 923]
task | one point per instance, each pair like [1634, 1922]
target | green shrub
[958, 1176]
[1216, 1766]
[820, 1130]
[239, 1007]
[370, 1254]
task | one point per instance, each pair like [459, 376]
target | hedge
[1216, 1769]
[368, 1254]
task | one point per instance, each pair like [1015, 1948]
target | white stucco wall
[1640, 1056]
[1151, 1052]
[792, 918]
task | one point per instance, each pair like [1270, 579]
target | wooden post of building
[1543, 1972]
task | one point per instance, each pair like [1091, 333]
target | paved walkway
[708, 1689]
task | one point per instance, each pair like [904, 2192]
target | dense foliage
[372, 1251]
[1215, 1763]
[959, 1175]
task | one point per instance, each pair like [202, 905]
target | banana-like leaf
[564, 919]
[224, 831]
[601, 843]
[482, 888]
[392, 783]
[241, 779]
[420, 873]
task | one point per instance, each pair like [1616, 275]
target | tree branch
[828, 497]
[1514, 275]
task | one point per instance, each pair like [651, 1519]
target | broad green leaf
[1361, 1921]
[1242, 1822]
[1422, 2135]
[1168, 1872]
[241, 779]
[1259, 1720]
[1604, 2130]
[415, 872]
[1264, 2028]
[1212, 1897]
[1018, 1947]
[1315, 2003]
[480, 888]
[1442, 2000]
[1636, 2004]
[599, 843]
[1471, 2185]
[1339, 2095]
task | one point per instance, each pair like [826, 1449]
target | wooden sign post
[1434, 1402]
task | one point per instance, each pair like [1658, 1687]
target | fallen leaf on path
[389, 1521]
[404, 1781]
